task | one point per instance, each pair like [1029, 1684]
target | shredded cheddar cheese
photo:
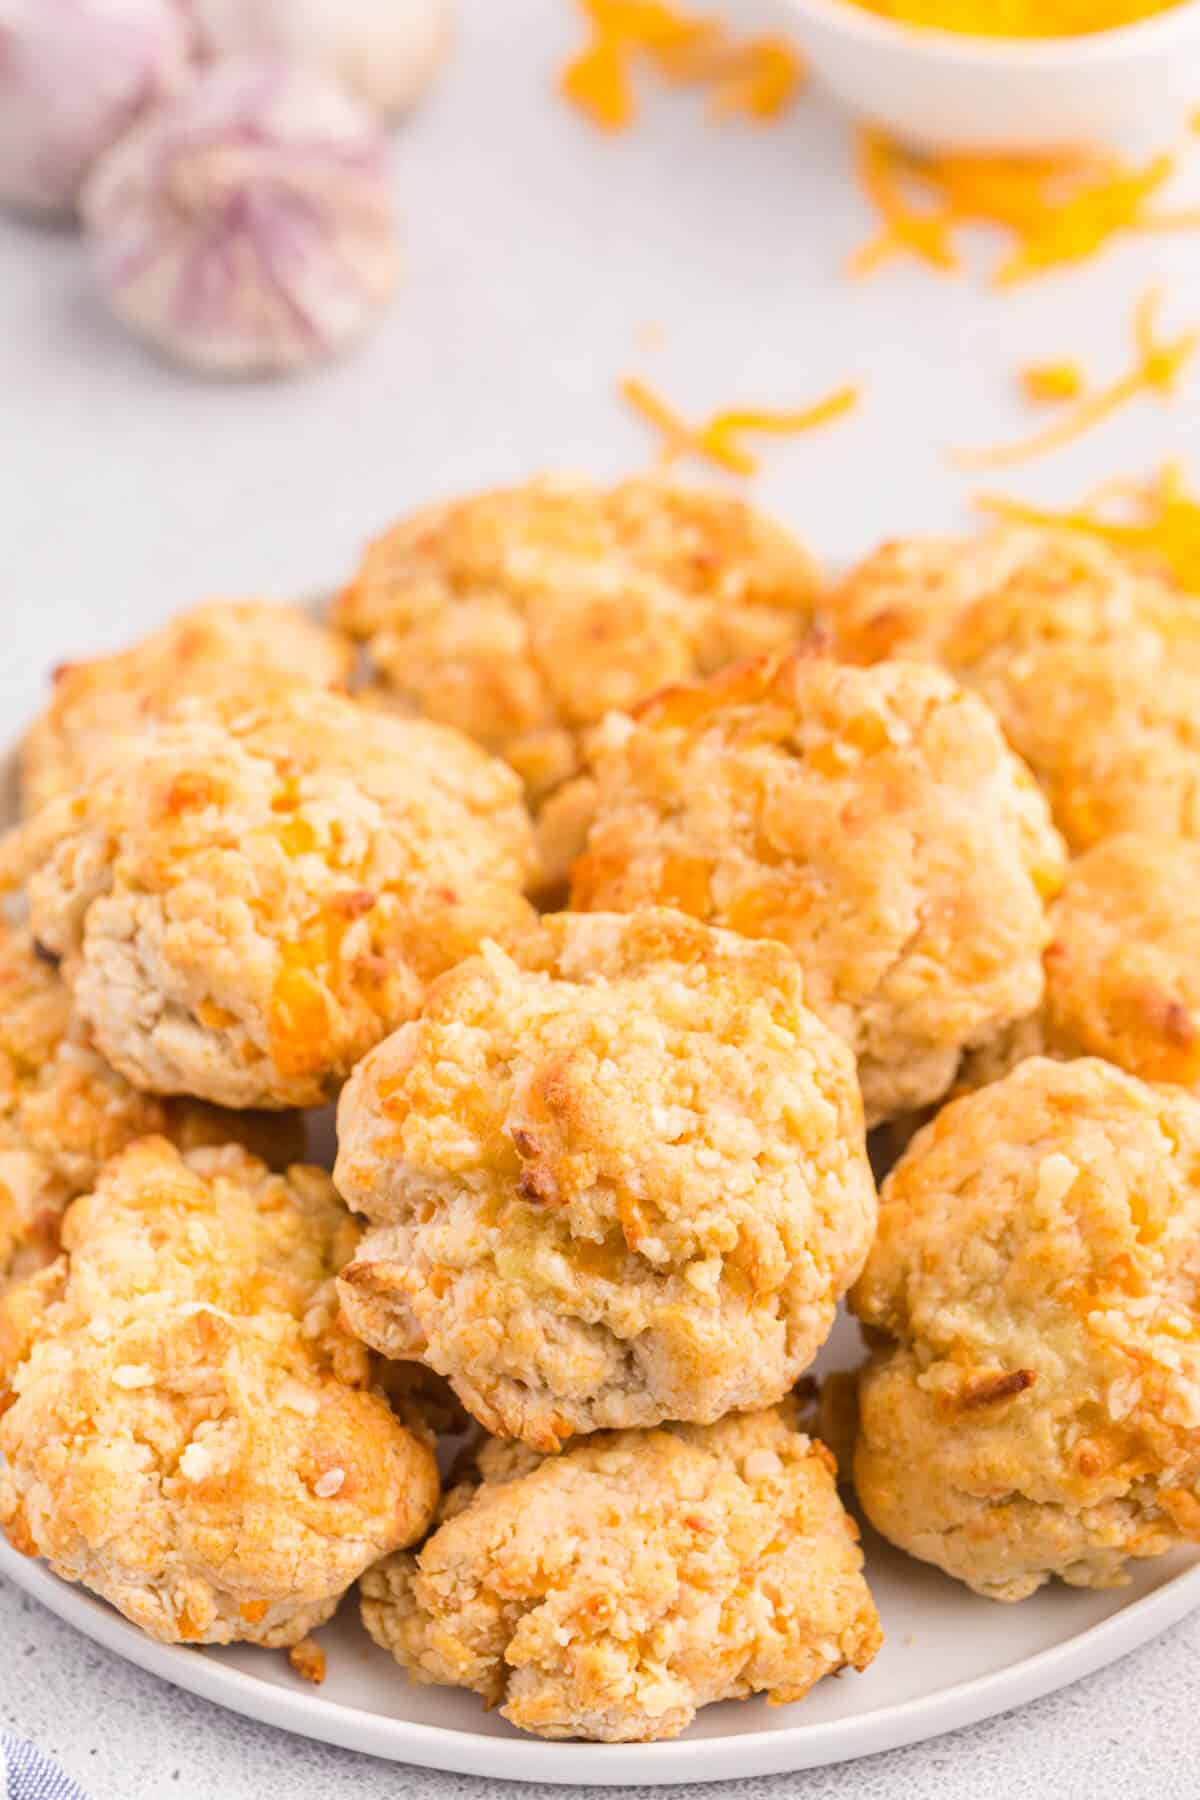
[1075, 228]
[755, 77]
[758, 80]
[1050, 384]
[925, 232]
[597, 81]
[1158, 527]
[1018, 18]
[1056, 210]
[716, 438]
[1158, 369]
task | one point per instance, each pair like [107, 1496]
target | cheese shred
[715, 440]
[1050, 384]
[1157, 523]
[755, 78]
[1055, 210]
[1160, 365]
[883, 171]
[758, 79]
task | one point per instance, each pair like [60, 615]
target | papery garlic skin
[248, 227]
[387, 52]
[75, 75]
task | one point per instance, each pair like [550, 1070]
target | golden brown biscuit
[911, 595]
[1123, 967]
[1037, 1411]
[190, 1431]
[610, 1592]
[871, 819]
[1091, 666]
[246, 905]
[619, 1180]
[522, 616]
[229, 649]
[64, 1111]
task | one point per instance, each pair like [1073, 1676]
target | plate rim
[739, 1754]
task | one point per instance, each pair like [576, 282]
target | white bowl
[940, 90]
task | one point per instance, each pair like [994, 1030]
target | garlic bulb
[247, 227]
[74, 74]
[385, 51]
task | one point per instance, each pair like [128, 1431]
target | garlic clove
[387, 52]
[247, 227]
[74, 75]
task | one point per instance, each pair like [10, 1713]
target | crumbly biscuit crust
[1091, 667]
[871, 819]
[1037, 1409]
[522, 616]
[190, 1432]
[247, 903]
[225, 648]
[1123, 969]
[618, 1180]
[64, 1111]
[609, 1592]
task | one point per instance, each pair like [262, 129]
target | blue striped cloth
[25, 1774]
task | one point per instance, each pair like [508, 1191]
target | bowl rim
[1005, 54]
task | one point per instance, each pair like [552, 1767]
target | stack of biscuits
[616, 876]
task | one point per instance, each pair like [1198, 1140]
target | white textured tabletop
[537, 254]
[1129, 1733]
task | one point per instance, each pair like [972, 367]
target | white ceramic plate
[949, 1659]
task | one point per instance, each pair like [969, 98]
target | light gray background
[536, 255]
